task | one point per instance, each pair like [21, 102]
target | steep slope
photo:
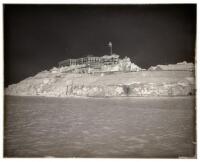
[141, 83]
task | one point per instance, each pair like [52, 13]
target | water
[95, 127]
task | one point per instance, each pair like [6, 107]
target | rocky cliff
[142, 83]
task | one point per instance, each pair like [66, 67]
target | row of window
[88, 60]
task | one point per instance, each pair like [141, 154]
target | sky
[37, 37]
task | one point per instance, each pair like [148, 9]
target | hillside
[140, 83]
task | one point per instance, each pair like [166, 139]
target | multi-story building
[110, 59]
[91, 61]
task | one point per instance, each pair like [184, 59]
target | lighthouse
[110, 45]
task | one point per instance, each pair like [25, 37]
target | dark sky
[36, 37]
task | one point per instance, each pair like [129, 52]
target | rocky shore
[137, 84]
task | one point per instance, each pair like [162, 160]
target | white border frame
[91, 2]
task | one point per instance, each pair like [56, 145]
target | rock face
[136, 90]
[54, 83]
[179, 66]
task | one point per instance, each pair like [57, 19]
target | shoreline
[108, 97]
